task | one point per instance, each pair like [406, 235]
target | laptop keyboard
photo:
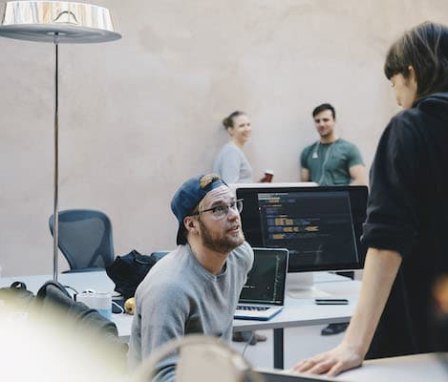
[252, 308]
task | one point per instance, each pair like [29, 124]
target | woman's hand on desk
[332, 362]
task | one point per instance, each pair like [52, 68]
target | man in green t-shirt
[331, 161]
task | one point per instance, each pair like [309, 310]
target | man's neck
[328, 139]
[211, 260]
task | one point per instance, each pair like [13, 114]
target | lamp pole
[56, 22]
[56, 161]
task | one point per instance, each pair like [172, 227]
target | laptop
[263, 295]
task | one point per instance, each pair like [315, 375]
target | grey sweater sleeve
[167, 309]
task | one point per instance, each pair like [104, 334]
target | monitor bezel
[358, 202]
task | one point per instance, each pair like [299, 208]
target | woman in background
[233, 167]
[231, 164]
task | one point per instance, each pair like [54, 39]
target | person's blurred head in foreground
[43, 345]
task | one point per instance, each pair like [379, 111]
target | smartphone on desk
[331, 301]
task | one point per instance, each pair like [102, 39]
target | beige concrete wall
[140, 115]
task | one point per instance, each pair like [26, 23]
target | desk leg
[278, 349]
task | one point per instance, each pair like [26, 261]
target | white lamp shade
[57, 21]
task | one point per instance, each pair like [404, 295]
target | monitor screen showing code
[316, 225]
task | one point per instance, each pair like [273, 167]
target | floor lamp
[56, 22]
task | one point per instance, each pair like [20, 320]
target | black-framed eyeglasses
[222, 210]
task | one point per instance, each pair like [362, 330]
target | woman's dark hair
[228, 121]
[425, 48]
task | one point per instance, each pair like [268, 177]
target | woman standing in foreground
[407, 213]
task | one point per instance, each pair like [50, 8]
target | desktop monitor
[320, 226]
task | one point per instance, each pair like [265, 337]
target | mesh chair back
[85, 239]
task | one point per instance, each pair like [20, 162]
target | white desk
[411, 368]
[297, 312]
[303, 312]
[98, 281]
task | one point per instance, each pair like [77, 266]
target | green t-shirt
[329, 164]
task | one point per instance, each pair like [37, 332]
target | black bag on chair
[54, 294]
[18, 293]
[128, 271]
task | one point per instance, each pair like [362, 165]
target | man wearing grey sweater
[195, 288]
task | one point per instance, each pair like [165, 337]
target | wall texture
[140, 115]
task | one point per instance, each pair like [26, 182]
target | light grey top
[180, 297]
[232, 165]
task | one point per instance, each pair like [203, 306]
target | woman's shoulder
[229, 148]
[433, 104]
[406, 122]
[406, 129]
[427, 108]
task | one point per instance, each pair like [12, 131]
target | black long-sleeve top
[408, 213]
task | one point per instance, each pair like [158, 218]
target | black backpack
[128, 271]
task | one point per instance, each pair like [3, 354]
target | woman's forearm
[380, 270]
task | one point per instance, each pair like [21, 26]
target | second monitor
[320, 226]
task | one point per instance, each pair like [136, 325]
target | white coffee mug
[101, 301]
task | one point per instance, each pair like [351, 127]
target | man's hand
[332, 362]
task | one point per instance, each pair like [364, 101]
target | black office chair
[85, 239]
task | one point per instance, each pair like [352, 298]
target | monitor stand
[301, 285]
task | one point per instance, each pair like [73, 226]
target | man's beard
[221, 245]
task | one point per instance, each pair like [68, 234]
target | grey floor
[299, 343]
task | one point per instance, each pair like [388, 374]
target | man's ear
[191, 224]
